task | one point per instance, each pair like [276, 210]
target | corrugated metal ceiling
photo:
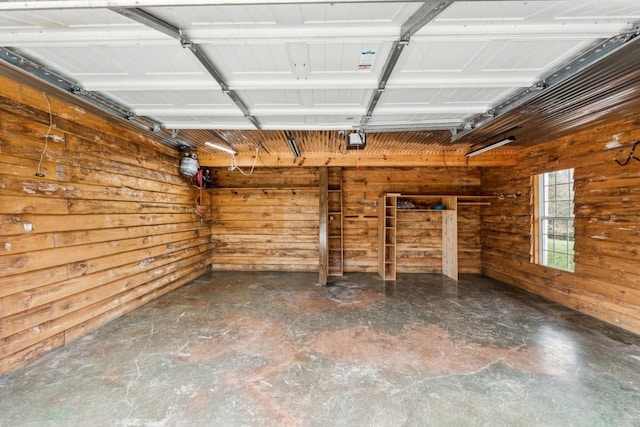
[311, 69]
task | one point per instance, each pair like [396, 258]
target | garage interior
[319, 213]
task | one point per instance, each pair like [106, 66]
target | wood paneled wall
[266, 221]
[111, 225]
[257, 227]
[419, 235]
[606, 281]
[419, 241]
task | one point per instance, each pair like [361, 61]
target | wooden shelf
[387, 222]
[335, 209]
[422, 210]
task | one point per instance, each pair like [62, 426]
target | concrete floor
[261, 349]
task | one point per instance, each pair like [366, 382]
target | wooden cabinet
[391, 205]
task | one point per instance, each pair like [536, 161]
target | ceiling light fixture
[491, 146]
[221, 148]
[294, 147]
[412, 127]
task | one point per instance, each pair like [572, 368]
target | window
[554, 233]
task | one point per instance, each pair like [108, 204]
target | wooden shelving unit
[335, 223]
[387, 223]
[387, 228]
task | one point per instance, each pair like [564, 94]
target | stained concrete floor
[275, 349]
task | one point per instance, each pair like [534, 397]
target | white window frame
[544, 251]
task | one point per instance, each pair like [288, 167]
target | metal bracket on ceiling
[539, 86]
[425, 14]
[165, 27]
[557, 76]
[186, 43]
[52, 78]
[77, 91]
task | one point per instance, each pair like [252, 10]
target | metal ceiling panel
[83, 27]
[255, 60]
[127, 65]
[358, 58]
[319, 122]
[610, 89]
[477, 95]
[440, 56]
[204, 122]
[416, 97]
[294, 99]
[542, 55]
[317, 66]
[287, 21]
[292, 65]
[61, 19]
[273, 98]
[586, 18]
[592, 10]
[172, 98]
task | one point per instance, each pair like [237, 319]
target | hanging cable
[46, 137]
[631, 155]
[199, 198]
[234, 164]
[274, 170]
[451, 174]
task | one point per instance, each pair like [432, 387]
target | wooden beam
[323, 266]
[433, 158]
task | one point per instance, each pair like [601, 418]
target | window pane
[561, 177]
[550, 209]
[556, 239]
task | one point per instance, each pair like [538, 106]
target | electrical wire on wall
[46, 137]
[202, 180]
[234, 164]
[200, 197]
[452, 175]
[342, 142]
[509, 196]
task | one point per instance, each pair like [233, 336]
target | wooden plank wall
[419, 234]
[259, 224]
[419, 241]
[266, 222]
[113, 224]
[606, 282]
